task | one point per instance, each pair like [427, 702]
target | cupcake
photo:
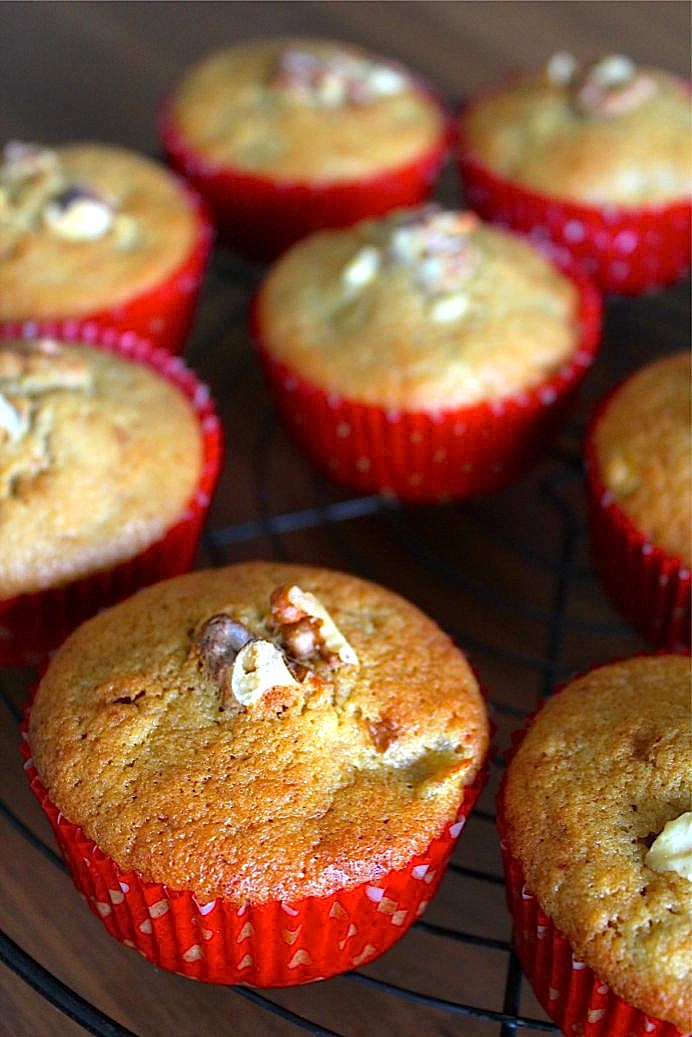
[109, 455]
[98, 234]
[596, 829]
[595, 158]
[256, 774]
[639, 484]
[285, 136]
[426, 354]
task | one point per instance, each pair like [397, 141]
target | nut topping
[611, 87]
[332, 80]
[221, 639]
[79, 214]
[307, 628]
[22, 161]
[439, 250]
[258, 668]
[561, 67]
[244, 667]
[41, 366]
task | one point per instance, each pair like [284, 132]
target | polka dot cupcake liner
[164, 313]
[625, 250]
[570, 992]
[651, 588]
[33, 624]
[426, 456]
[260, 216]
[274, 944]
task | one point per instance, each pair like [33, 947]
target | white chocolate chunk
[258, 667]
[81, 218]
[14, 418]
[672, 850]
[449, 307]
[362, 268]
[332, 638]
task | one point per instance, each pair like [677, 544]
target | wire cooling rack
[508, 576]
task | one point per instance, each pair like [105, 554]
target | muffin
[109, 455]
[434, 354]
[639, 483]
[285, 136]
[249, 778]
[595, 158]
[594, 815]
[95, 233]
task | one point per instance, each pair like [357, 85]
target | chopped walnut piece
[440, 250]
[244, 667]
[219, 642]
[41, 366]
[29, 176]
[307, 628]
[332, 80]
[22, 161]
[611, 86]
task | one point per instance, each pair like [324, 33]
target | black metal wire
[61, 996]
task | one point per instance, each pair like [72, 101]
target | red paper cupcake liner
[624, 249]
[424, 456]
[33, 624]
[275, 944]
[163, 314]
[651, 588]
[260, 216]
[570, 992]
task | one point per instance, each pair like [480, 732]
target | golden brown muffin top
[643, 444]
[316, 778]
[604, 766]
[86, 227]
[607, 132]
[423, 309]
[98, 457]
[305, 109]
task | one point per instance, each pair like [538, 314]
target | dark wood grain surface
[509, 576]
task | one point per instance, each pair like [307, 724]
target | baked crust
[99, 456]
[604, 765]
[381, 344]
[43, 275]
[296, 795]
[229, 112]
[530, 131]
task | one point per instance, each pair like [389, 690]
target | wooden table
[508, 576]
